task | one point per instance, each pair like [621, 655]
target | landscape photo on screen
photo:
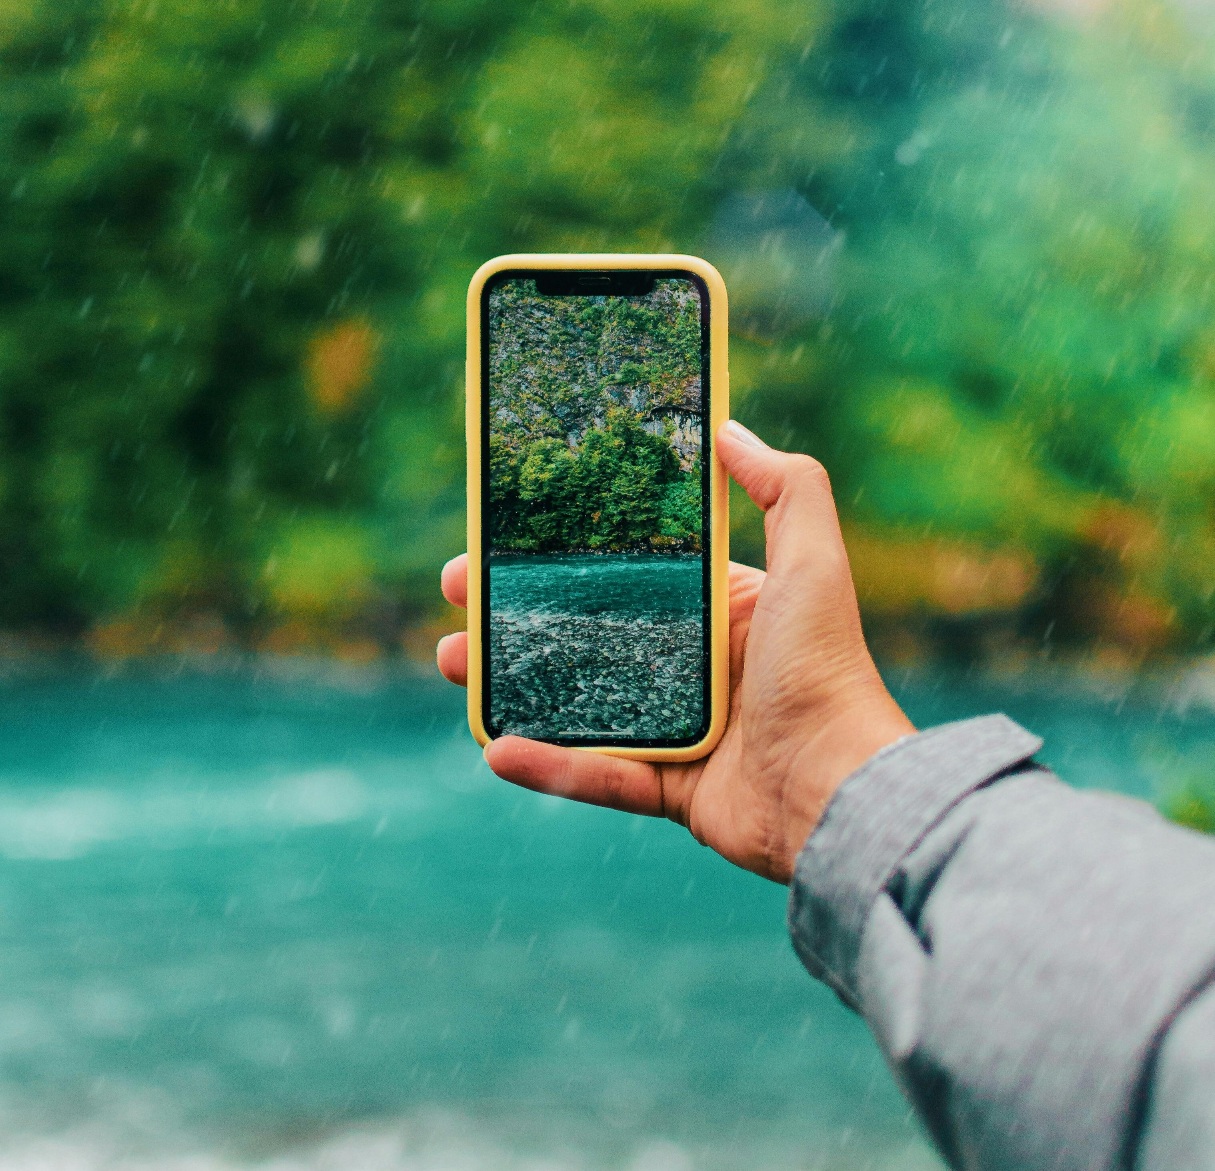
[594, 514]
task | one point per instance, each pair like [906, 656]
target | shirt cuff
[874, 820]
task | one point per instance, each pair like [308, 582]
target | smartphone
[597, 509]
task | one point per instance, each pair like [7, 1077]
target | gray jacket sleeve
[1037, 963]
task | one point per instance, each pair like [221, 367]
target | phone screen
[596, 450]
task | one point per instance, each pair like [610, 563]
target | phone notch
[595, 284]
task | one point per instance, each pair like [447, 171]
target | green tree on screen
[619, 488]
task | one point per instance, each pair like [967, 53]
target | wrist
[836, 744]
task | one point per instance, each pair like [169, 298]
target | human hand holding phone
[806, 703]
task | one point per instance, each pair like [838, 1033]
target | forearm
[1019, 949]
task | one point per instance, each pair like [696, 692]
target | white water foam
[429, 1142]
[66, 823]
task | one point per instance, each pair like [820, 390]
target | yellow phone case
[719, 529]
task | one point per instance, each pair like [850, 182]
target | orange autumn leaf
[339, 364]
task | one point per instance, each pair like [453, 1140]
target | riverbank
[1176, 687]
[208, 643]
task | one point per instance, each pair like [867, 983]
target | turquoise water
[586, 645]
[666, 585]
[282, 917]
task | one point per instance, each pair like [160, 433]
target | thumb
[772, 478]
[793, 490]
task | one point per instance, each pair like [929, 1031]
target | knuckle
[809, 473]
[613, 786]
[565, 778]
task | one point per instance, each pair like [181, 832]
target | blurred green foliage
[1192, 805]
[237, 236]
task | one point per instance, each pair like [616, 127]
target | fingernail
[739, 432]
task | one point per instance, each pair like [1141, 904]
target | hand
[807, 705]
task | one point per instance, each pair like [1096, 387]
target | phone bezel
[716, 376]
[708, 450]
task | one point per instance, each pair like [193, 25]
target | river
[281, 916]
[584, 642]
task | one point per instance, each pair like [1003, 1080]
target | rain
[262, 903]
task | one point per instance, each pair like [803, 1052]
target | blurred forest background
[970, 247]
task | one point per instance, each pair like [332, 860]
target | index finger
[594, 779]
[454, 580]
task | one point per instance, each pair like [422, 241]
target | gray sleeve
[1035, 962]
